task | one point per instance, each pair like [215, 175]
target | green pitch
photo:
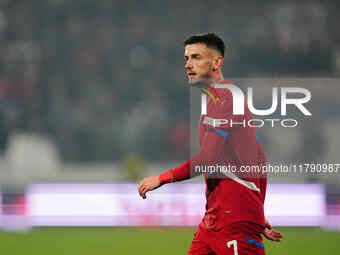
[148, 241]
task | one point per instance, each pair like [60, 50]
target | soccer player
[234, 219]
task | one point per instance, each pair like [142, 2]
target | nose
[188, 65]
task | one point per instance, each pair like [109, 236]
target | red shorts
[228, 241]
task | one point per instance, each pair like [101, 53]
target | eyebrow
[192, 55]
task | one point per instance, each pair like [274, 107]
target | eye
[196, 56]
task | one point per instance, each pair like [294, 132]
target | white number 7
[234, 243]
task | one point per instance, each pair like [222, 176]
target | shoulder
[226, 90]
[231, 100]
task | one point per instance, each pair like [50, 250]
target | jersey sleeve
[210, 149]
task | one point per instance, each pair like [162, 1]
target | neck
[215, 78]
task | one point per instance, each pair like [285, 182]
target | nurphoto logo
[238, 106]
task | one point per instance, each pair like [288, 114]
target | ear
[218, 62]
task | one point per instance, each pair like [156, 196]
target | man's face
[199, 61]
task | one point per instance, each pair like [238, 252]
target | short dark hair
[211, 40]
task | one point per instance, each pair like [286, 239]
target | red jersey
[232, 142]
[227, 140]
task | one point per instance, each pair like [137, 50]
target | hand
[148, 184]
[272, 234]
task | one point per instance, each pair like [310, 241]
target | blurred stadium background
[93, 97]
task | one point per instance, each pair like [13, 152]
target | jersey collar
[212, 92]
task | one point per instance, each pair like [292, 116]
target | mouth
[191, 74]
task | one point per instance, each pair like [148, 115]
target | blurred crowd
[104, 78]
